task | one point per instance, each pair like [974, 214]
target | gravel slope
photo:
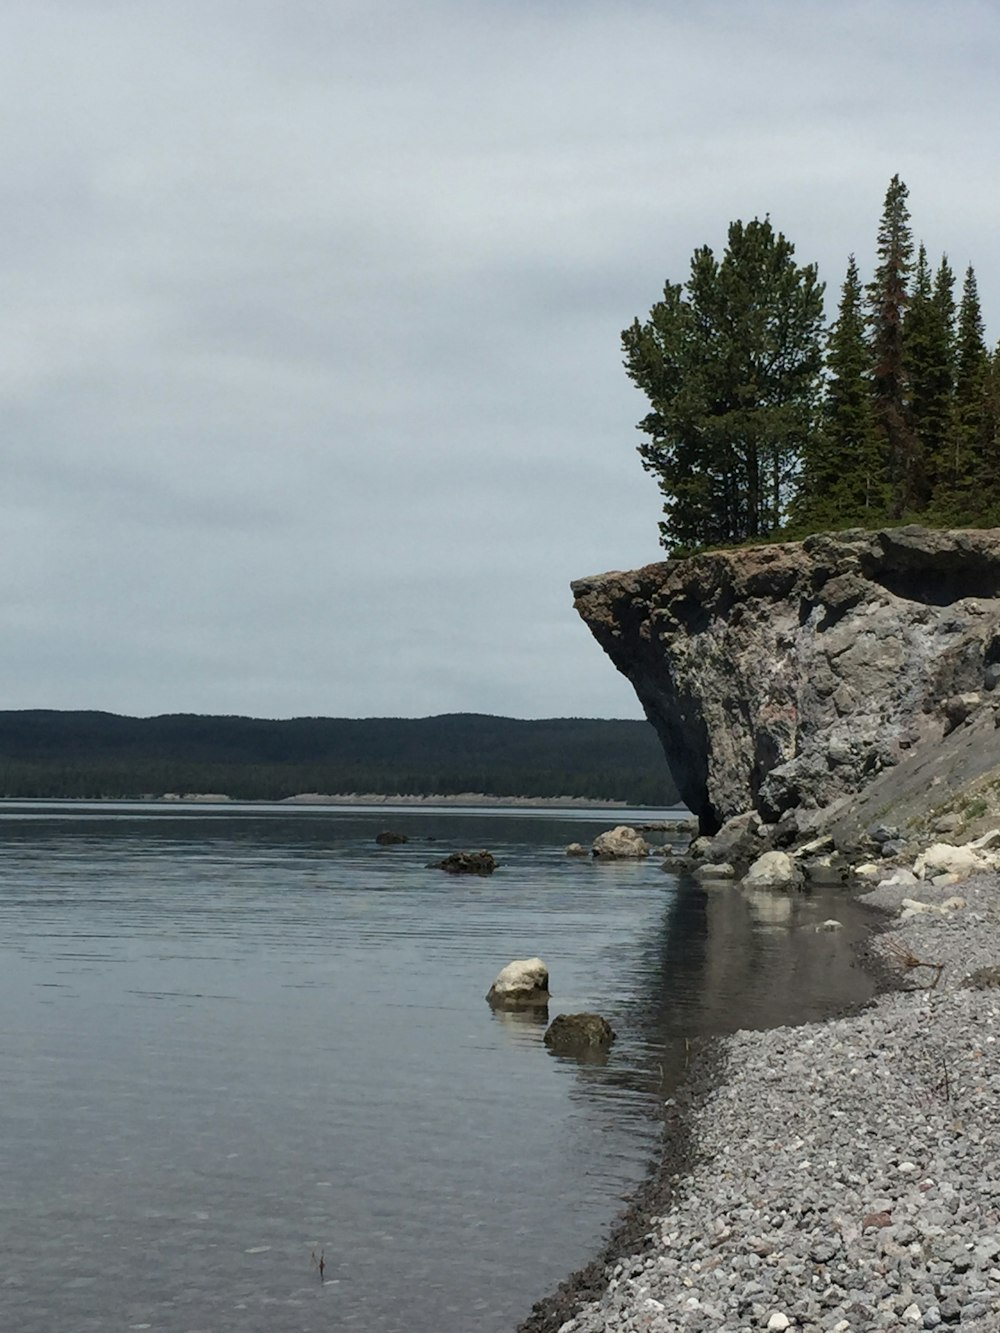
[844, 1175]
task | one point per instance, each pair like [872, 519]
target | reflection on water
[234, 1037]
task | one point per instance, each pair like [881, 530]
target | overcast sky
[311, 379]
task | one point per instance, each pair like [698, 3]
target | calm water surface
[234, 1038]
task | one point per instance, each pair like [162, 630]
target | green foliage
[842, 473]
[908, 424]
[730, 364]
[888, 296]
[94, 755]
[929, 346]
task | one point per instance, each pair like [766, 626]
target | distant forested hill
[89, 754]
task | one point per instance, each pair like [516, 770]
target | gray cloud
[311, 386]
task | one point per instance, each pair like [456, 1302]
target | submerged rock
[467, 863]
[522, 984]
[573, 1033]
[389, 839]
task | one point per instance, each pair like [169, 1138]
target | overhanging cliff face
[785, 677]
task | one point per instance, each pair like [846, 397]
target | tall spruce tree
[843, 478]
[971, 486]
[730, 363]
[888, 296]
[929, 353]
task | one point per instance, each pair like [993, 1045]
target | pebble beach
[835, 1176]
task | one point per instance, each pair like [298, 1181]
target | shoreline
[364, 799]
[828, 1176]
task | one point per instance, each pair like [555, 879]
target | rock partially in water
[467, 863]
[390, 839]
[620, 843]
[576, 849]
[572, 1034]
[721, 873]
[773, 870]
[522, 984]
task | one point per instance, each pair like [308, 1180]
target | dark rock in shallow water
[388, 839]
[467, 863]
[573, 1033]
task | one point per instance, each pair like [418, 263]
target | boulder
[620, 843]
[830, 925]
[773, 870]
[389, 839]
[522, 984]
[715, 873]
[737, 841]
[573, 1033]
[467, 863]
[942, 858]
[826, 869]
[576, 849]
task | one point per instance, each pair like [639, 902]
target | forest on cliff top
[765, 424]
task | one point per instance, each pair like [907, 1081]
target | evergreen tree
[888, 295]
[971, 486]
[929, 348]
[843, 477]
[730, 364]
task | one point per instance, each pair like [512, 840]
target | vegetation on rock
[761, 426]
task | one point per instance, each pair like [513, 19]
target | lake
[233, 1039]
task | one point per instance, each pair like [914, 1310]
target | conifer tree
[888, 295]
[730, 363]
[843, 479]
[971, 486]
[929, 353]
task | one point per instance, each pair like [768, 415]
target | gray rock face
[782, 678]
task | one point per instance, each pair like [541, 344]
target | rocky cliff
[786, 678]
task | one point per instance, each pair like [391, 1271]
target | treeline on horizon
[765, 424]
[93, 755]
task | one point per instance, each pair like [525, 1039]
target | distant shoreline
[461, 798]
[365, 799]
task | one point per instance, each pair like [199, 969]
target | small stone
[779, 1321]
[913, 1314]
[974, 1310]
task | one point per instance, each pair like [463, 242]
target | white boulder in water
[522, 984]
[620, 843]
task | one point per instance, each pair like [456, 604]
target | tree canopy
[762, 422]
[730, 363]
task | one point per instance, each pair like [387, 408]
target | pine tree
[929, 354]
[731, 366]
[888, 295]
[971, 487]
[843, 479]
